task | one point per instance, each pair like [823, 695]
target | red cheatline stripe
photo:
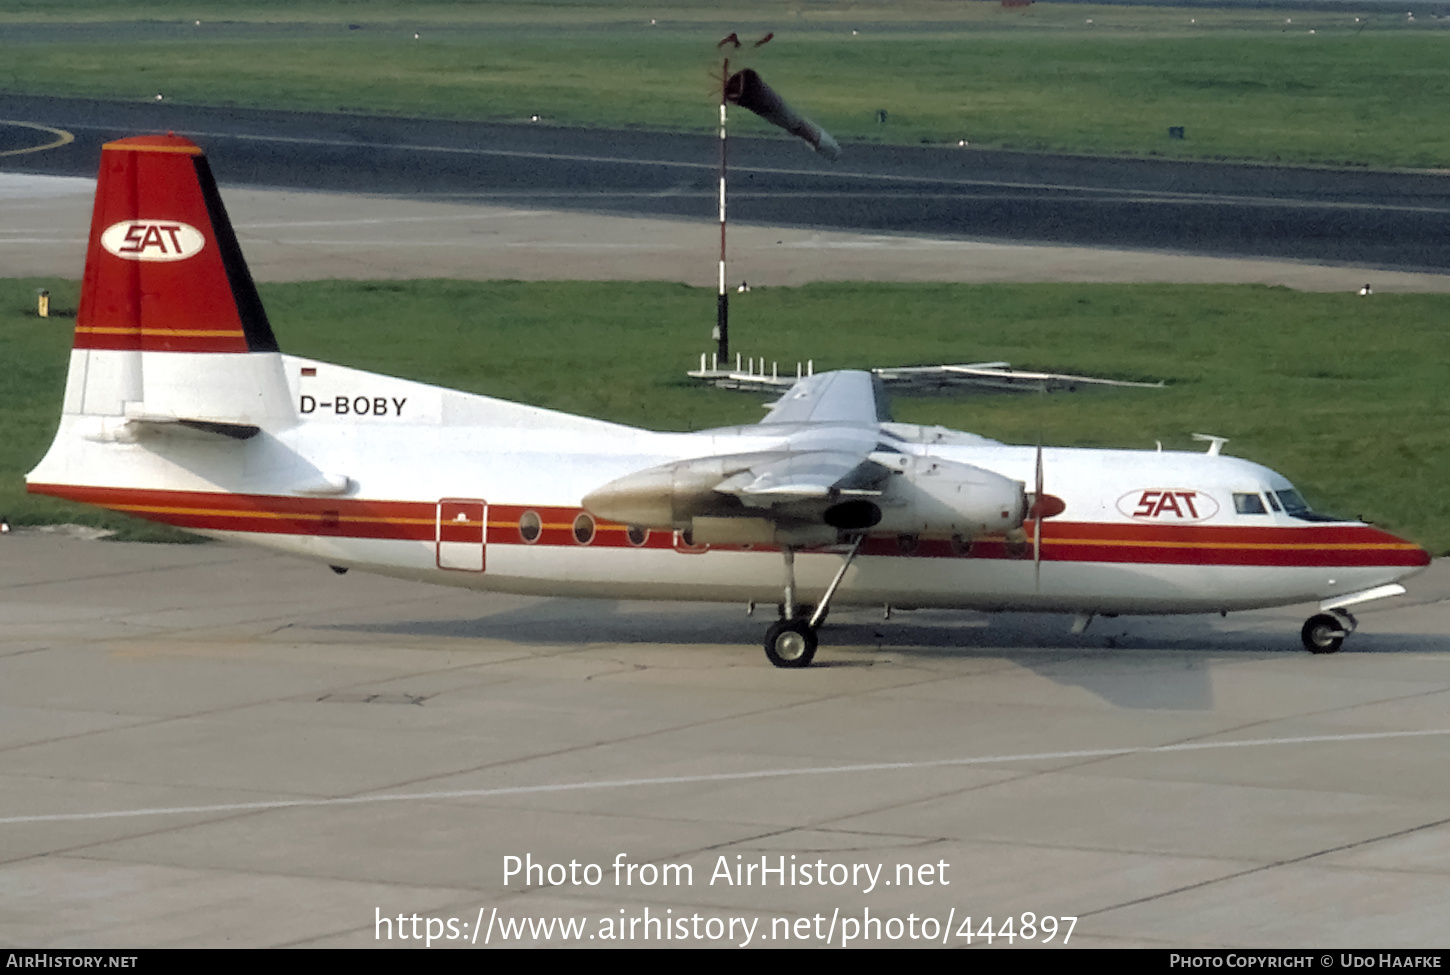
[1311, 545]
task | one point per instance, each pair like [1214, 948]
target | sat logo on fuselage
[1168, 504]
[153, 240]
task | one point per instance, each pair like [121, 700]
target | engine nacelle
[671, 495]
[920, 495]
[930, 496]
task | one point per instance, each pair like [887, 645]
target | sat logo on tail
[153, 240]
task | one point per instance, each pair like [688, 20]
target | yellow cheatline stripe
[190, 333]
[598, 526]
[188, 150]
[1272, 546]
[62, 138]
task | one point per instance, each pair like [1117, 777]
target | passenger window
[1248, 504]
[583, 528]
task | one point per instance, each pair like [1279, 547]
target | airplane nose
[1402, 552]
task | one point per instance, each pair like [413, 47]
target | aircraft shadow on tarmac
[1131, 662]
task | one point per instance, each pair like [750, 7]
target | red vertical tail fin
[164, 272]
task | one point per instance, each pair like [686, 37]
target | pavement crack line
[1261, 868]
[747, 775]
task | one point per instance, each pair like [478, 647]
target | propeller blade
[1037, 507]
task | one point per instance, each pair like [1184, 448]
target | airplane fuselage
[423, 469]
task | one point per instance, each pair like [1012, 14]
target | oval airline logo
[153, 240]
[1168, 504]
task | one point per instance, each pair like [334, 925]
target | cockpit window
[1296, 507]
[1273, 501]
[1248, 504]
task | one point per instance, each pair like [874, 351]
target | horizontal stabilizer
[221, 428]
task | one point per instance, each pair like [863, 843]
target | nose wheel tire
[791, 643]
[1323, 633]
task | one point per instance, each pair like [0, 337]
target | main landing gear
[792, 642]
[1325, 632]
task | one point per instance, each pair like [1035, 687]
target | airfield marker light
[42, 304]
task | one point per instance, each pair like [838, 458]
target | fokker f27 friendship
[179, 407]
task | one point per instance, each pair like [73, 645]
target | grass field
[1335, 87]
[1344, 395]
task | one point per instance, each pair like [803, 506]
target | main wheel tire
[1323, 634]
[790, 643]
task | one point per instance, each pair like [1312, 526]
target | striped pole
[722, 303]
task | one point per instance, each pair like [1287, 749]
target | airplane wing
[992, 377]
[790, 477]
[833, 469]
[831, 397]
[974, 377]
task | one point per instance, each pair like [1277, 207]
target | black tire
[1323, 634]
[790, 643]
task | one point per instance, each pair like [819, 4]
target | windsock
[748, 90]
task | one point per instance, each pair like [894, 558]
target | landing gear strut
[1325, 632]
[792, 642]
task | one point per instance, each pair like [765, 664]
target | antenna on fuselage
[1215, 444]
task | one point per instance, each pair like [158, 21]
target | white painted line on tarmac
[363, 221]
[782, 773]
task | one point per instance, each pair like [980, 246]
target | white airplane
[180, 408]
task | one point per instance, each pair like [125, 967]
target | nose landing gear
[1325, 632]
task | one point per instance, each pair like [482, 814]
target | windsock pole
[722, 303]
